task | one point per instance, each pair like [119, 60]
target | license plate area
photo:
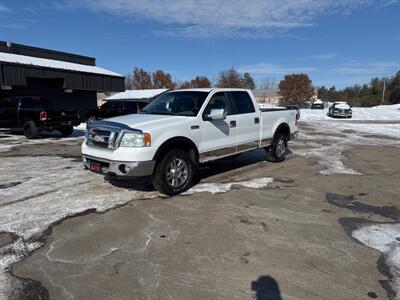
[95, 167]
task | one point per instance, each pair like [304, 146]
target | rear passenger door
[247, 120]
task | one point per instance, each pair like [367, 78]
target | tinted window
[130, 106]
[35, 102]
[217, 101]
[240, 103]
[112, 105]
[178, 103]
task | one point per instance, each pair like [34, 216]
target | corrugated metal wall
[16, 75]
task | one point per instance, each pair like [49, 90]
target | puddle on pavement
[385, 266]
[350, 202]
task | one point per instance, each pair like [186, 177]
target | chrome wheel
[177, 173]
[281, 147]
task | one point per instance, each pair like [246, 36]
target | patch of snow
[12, 253]
[53, 64]
[379, 113]
[317, 101]
[224, 187]
[137, 94]
[386, 239]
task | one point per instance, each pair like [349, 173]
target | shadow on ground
[266, 288]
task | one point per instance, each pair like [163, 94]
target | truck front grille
[101, 138]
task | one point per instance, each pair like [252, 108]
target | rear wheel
[66, 131]
[277, 151]
[174, 173]
[30, 130]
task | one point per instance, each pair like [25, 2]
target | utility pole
[384, 89]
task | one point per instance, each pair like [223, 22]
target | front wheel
[173, 173]
[66, 131]
[277, 151]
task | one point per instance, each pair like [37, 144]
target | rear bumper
[59, 124]
[128, 169]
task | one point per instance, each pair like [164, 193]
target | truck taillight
[43, 116]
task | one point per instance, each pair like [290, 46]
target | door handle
[232, 124]
[256, 120]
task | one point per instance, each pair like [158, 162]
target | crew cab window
[112, 105]
[217, 101]
[187, 103]
[131, 106]
[36, 102]
[240, 103]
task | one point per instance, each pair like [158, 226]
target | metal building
[70, 80]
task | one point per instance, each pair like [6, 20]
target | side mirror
[216, 114]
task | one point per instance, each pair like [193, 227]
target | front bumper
[131, 169]
[341, 115]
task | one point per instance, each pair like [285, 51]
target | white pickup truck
[182, 129]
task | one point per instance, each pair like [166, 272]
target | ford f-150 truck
[182, 129]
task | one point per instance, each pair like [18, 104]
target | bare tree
[162, 80]
[139, 80]
[229, 79]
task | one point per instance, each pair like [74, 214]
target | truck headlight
[131, 139]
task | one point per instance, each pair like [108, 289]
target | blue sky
[336, 42]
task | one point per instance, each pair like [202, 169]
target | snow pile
[378, 113]
[137, 94]
[219, 188]
[53, 64]
[386, 239]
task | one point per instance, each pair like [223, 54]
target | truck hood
[148, 122]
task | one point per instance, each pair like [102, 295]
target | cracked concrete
[217, 246]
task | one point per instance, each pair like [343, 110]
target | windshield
[185, 103]
[35, 102]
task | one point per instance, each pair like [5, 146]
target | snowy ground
[378, 125]
[38, 191]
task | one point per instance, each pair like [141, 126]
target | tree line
[141, 79]
[293, 88]
[379, 91]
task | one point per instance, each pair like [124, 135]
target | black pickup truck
[114, 108]
[34, 114]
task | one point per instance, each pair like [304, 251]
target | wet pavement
[250, 229]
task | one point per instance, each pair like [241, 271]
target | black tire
[163, 167]
[275, 153]
[30, 130]
[66, 131]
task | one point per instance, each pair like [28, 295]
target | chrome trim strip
[265, 143]
[247, 145]
[217, 153]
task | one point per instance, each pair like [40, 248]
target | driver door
[218, 137]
